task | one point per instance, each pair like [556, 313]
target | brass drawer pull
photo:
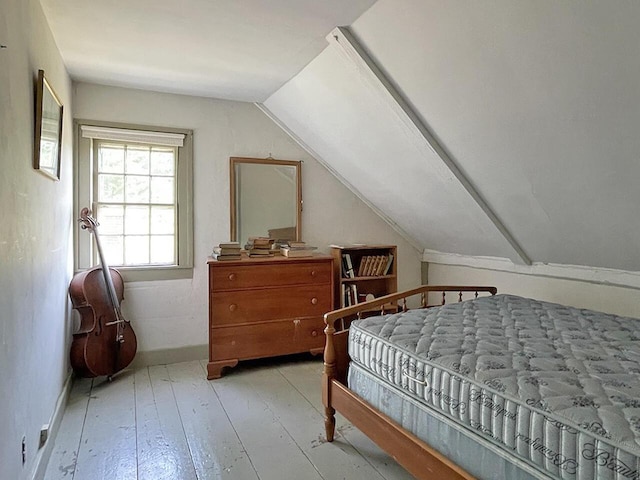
[314, 301]
[313, 273]
[232, 276]
[314, 333]
[233, 307]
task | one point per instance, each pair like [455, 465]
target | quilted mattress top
[578, 366]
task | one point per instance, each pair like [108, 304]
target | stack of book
[297, 249]
[227, 251]
[375, 265]
[260, 247]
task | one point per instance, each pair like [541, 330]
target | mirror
[266, 199]
[47, 152]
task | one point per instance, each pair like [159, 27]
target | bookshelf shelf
[367, 279]
[363, 271]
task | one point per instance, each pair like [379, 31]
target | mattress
[555, 387]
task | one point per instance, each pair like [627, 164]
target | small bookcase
[363, 272]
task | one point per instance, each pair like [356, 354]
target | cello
[105, 343]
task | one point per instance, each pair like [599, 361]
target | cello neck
[107, 276]
[90, 223]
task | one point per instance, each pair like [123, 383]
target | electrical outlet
[44, 434]
[24, 450]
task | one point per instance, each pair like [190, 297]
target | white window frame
[84, 192]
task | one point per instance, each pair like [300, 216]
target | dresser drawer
[259, 305]
[233, 277]
[266, 339]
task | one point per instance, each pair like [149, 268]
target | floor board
[214, 444]
[262, 420]
[62, 462]
[108, 443]
[163, 451]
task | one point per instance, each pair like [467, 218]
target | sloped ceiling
[537, 104]
[233, 49]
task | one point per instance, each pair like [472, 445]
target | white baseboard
[170, 355]
[44, 453]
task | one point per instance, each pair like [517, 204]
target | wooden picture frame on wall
[48, 129]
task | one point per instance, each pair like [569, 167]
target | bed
[491, 386]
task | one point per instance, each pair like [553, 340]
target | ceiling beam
[342, 39]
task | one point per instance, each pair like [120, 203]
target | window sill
[150, 274]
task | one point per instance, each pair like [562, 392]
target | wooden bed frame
[417, 457]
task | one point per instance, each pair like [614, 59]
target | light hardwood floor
[263, 420]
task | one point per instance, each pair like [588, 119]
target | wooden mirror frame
[48, 129]
[233, 161]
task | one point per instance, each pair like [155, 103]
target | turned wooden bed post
[327, 376]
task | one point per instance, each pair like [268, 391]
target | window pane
[137, 160]
[136, 220]
[111, 219]
[162, 190]
[111, 158]
[137, 189]
[162, 249]
[112, 249]
[110, 188]
[136, 249]
[162, 161]
[162, 220]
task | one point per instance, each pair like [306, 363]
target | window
[138, 183]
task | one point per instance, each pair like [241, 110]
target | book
[260, 247]
[260, 252]
[349, 272]
[230, 245]
[374, 266]
[387, 268]
[222, 258]
[306, 247]
[290, 252]
[349, 294]
[362, 267]
[261, 241]
[226, 251]
[368, 263]
[297, 244]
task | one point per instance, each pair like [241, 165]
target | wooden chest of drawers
[262, 307]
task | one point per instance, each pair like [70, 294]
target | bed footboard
[336, 395]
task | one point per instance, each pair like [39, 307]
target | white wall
[581, 294]
[35, 241]
[174, 314]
